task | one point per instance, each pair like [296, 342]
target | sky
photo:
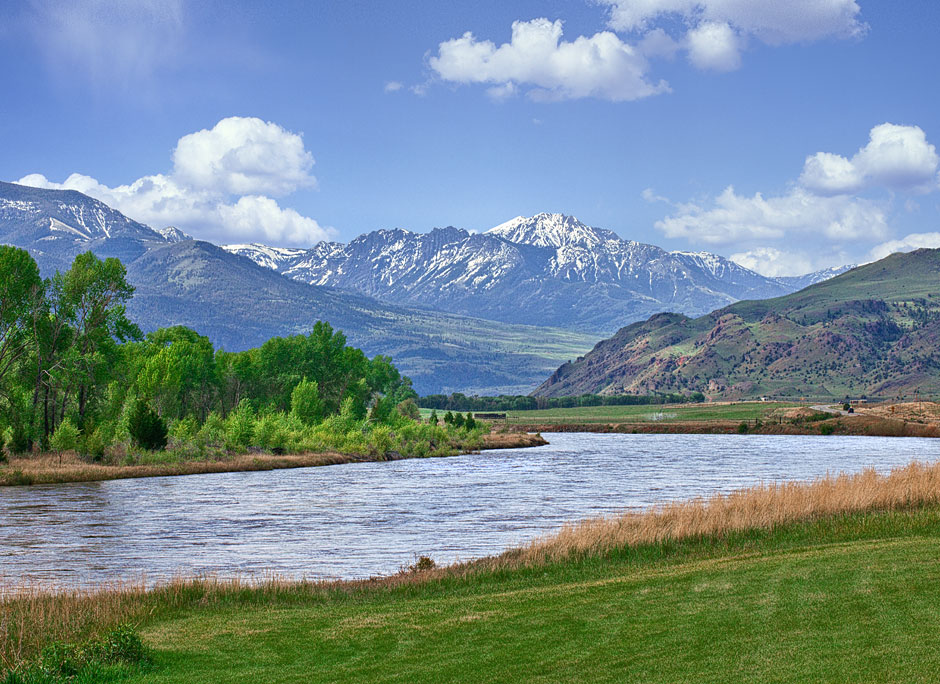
[789, 136]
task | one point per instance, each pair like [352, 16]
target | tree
[65, 438]
[469, 422]
[305, 402]
[93, 296]
[147, 429]
[433, 419]
[19, 275]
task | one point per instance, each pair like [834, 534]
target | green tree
[65, 438]
[147, 429]
[433, 418]
[305, 404]
[22, 288]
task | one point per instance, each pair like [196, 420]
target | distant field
[643, 414]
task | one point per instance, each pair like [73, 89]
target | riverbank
[792, 582]
[51, 469]
[868, 425]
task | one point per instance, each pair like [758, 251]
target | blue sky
[731, 126]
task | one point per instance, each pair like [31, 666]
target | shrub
[470, 423]
[212, 432]
[409, 409]
[240, 426]
[65, 437]
[742, 428]
[433, 419]
[305, 402]
[94, 443]
[147, 429]
[184, 431]
[827, 429]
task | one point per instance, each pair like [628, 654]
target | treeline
[461, 402]
[77, 374]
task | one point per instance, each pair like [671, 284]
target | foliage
[116, 654]
[461, 402]
[147, 429]
[65, 437]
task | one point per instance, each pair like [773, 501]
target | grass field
[643, 414]
[833, 581]
[850, 599]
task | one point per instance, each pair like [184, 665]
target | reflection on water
[363, 519]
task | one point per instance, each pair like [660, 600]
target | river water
[363, 519]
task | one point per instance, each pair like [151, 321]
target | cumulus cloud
[716, 30]
[218, 187]
[773, 262]
[115, 42]
[739, 219]
[393, 86]
[601, 66]
[714, 46]
[896, 157]
[771, 21]
[905, 244]
[241, 155]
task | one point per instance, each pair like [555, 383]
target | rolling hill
[874, 330]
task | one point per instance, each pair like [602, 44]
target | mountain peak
[551, 230]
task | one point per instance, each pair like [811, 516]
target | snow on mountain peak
[551, 230]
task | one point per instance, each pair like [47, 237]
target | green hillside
[874, 330]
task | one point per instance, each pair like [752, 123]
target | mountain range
[549, 269]
[485, 313]
[874, 330]
[239, 305]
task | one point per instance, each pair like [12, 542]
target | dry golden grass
[31, 616]
[915, 411]
[764, 506]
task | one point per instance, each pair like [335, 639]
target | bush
[94, 443]
[305, 402]
[827, 429]
[743, 428]
[409, 409]
[65, 437]
[240, 426]
[147, 429]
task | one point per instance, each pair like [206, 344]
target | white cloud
[658, 43]
[600, 66]
[716, 29]
[770, 261]
[774, 22]
[739, 219]
[905, 244]
[217, 188]
[393, 86]
[714, 46]
[241, 156]
[114, 42]
[896, 157]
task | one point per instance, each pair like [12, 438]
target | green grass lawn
[849, 599]
[635, 414]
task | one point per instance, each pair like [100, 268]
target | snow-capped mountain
[57, 225]
[174, 234]
[549, 269]
[799, 282]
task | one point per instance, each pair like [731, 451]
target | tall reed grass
[763, 506]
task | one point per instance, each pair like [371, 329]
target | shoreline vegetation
[54, 469]
[910, 419]
[776, 526]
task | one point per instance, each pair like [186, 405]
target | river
[363, 519]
